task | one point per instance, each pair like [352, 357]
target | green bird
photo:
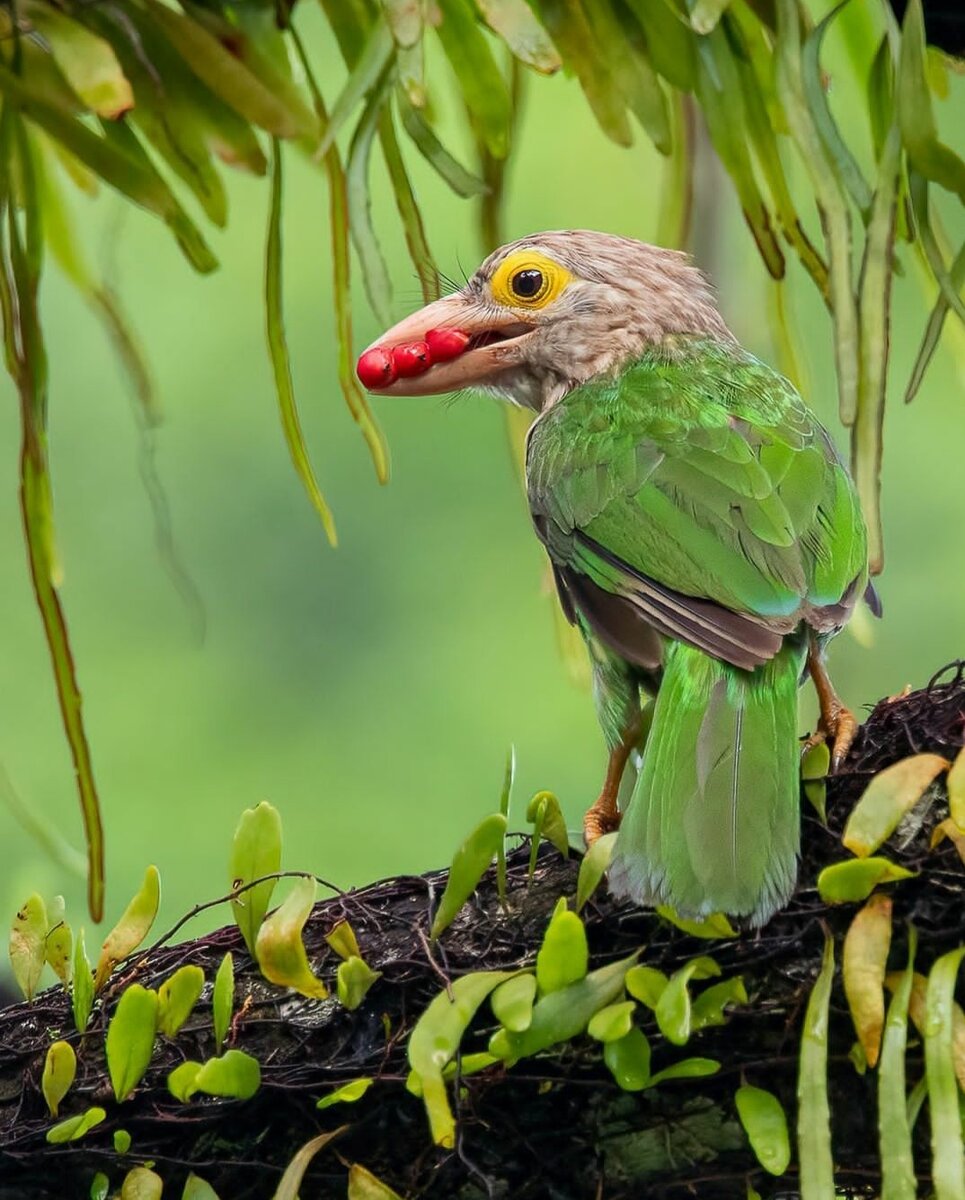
[704, 536]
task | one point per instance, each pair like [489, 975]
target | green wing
[701, 495]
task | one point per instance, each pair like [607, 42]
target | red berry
[375, 368]
[411, 359]
[446, 343]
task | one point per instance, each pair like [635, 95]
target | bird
[704, 534]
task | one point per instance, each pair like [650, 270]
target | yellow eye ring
[528, 279]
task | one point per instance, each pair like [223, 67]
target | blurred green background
[369, 692]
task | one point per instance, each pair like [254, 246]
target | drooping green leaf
[814, 1117]
[593, 867]
[933, 330]
[413, 227]
[223, 999]
[855, 880]
[405, 20]
[628, 1060]
[82, 985]
[483, 86]
[890, 795]
[60, 1067]
[255, 853]
[74, 1128]
[424, 137]
[363, 77]
[291, 1181]
[613, 1022]
[513, 21]
[765, 1124]
[897, 1160]
[130, 1038]
[28, 944]
[466, 1064]
[177, 996]
[672, 45]
[280, 950]
[948, 1151]
[363, 1185]
[132, 928]
[469, 864]
[435, 1040]
[348, 1093]
[512, 1002]
[182, 1081]
[563, 956]
[235, 1074]
[88, 62]
[354, 978]
[141, 1183]
[375, 275]
[705, 14]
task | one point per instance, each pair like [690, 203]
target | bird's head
[543, 315]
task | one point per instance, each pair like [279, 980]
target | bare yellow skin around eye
[555, 279]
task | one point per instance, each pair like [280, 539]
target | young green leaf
[467, 1064]
[141, 1183]
[177, 996]
[894, 1131]
[60, 1067]
[505, 798]
[673, 1009]
[342, 940]
[28, 944]
[280, 950]
[850, 882]
[765, 1124]
[815, 766]
[131, 929]
[100, 1185]
[354, 978]
[348, 1093]
[82, 985]
[948, 1152]
[59, 941]
[435, 1040]
[255, 852]
[425, 139]
[410, 215]
[864, 959]
[363, 1185]
[814, 1117]
[122, 1141]
[130, 1038]
[646, 984]
[613, 1022]
[469, 864]
[891, 794]
[546, 816]
[564, 955]
[195, 1188]
[687, 1068]
[628, 1060]
[182, 1081]
[708, 1008]
[223, 999]
[234, 1074]
[74, 1128]
[291, 1181]
[512, 1002]
[593, 866]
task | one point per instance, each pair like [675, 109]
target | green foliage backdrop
[370, 690]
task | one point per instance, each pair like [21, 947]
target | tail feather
[713, 824]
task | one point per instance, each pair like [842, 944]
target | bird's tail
[713, 824]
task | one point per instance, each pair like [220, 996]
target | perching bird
[704, 536]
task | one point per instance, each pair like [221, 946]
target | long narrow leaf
[513, 21]
[933, 330]
[814, 1116]
[948, 1152]
[625, 51]
[897, 1161]
[483, 86]
[462, 182]
[405, 201]
[375, 274]
[278, 349]
[364, 76]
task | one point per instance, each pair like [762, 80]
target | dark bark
[556, 1126]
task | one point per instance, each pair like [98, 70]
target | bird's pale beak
[453, 343]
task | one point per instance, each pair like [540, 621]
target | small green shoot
[130, 1038]
[469, 864]
[354, 978]
[279, 947]
[177, 996]
[348, 1093]
[74, 1128]
[223, 999]
[132, 928]
[60, 1067]
[255, 853]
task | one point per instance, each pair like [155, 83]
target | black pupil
[526, 284]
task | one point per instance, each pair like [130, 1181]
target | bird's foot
[603, 817]
[837, 727]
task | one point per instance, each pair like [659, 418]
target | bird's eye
[528, 284]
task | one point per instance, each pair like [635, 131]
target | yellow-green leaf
[951, 830]
[708, 1008]
[956, 787]
[60, 1067]
[141, 1183]
[82, 985]
[612, 1022]
[593, 867]
[255, 852]
[814, 1117]
[131, 929]
[59, 942]
[75, 1127]
[196, 1188]
[916, 1011]
[291, 1181]
[348, 1093]
[343, 941]
[646, 984]
[182, 1081]
[280, 950]
[234, 1074]
[513, 21]
[894, 1129]
[28, 944]
[545, 814]
[469, 864]
[765, 1124]
[177, 996]
[564, 955]
[713, 928]
[864, 960]
[223, 999]
[687, 1068]
[849, 882]
[363, 1185]
[888, 797]
[130, 1038]
[122, 1141]
[673, 1009]
[628, 1060]
[354, 978]
[948, 1153]
[512, 1002]
[88, 62]
[100, 1185]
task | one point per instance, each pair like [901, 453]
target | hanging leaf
[74, 1128]
[363, 78]
[512, 1002]
[814, 1116]
[82, 985]
[354, 978]
[593, 866]
[864, 961]
[131, 929]
[405, 20]
[255, 852]
[177, 996]
[280, 950]
[405, 201]
[60, 1067]
[291, 1181]
[88, 62]
[469, 864]
[705, 14]
[28, 944]
[933, 331]
[851, 882]
[483, 86]
[449, 169]
[235, 1074]
[765, 1124]
[223, 999]
[897, 1161]
[375, 275]
[348, 1093]
[890, 795]
[513, 21]
[130, 1038]
[363, 1185]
